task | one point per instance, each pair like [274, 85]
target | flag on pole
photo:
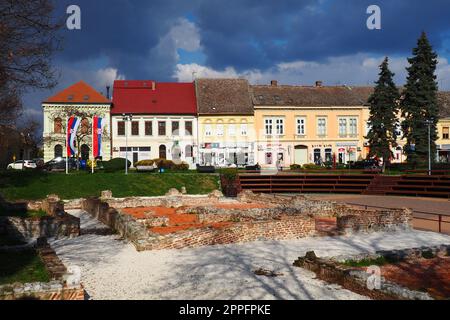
[72, 128]
[97, 133]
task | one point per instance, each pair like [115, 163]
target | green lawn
[37, 185]
[23, 267]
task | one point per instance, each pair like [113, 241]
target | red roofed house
[79, 100]
[163, 124]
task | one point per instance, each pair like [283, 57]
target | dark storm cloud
[247, 34]
[313, 30]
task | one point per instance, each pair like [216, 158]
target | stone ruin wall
[284, 218]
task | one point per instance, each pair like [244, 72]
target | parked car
[59, 164]
[22, 165]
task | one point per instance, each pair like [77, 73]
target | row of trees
[417, 104]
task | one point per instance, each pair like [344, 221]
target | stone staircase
[380, 185]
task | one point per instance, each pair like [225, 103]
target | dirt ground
[430, 275]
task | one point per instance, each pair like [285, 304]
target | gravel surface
[113, 269]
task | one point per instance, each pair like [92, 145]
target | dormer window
[86, 98]
[70, 97]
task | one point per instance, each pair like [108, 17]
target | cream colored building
[303, 125]
[226, 135]
[83, 101]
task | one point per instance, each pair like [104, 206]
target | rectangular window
[232, 130]
[208, 130]
[188, 128]
[269, 127]
[175, 128]
[353, 126]
[280, 127]
[244, 129]
[321, 127]
[445, 133]
[301, 126]
[148, 128]
[342, 127]
[161, 128]
[219, 129]
[135, 128]
[121, 128]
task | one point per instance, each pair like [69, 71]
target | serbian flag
[97, 133]
[72, 128]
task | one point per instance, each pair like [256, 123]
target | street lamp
[429, 123]
[126, 118]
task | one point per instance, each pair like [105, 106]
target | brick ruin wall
[285, 218]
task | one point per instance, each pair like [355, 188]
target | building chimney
[319, 84]
[107, 92]
[274, 83]
[153, 85]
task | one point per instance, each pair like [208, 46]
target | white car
[22, 164]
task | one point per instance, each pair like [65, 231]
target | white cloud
[359, 69]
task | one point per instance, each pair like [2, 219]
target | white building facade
[79, 100]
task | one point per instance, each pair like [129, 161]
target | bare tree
[28, 38]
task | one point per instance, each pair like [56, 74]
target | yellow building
[443, 142]
[226, 135]
[302, 125]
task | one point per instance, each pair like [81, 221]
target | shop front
[227, 154]
[444, 153]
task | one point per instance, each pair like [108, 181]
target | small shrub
[116, 164]
[164, 164]
[296, 167]
[181, 167]
[144, 163]
[230, 174]
[312, 166]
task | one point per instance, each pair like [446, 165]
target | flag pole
[67, 147]
[93, 149]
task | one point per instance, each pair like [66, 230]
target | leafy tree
[420, 103]
[383, 115]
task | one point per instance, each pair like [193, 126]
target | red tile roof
[81, 93]
[150, 97]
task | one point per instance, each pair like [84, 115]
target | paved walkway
[426, 205]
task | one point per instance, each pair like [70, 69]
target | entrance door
[135, 157]
[162, 152]
[341, 159]
[301, 155]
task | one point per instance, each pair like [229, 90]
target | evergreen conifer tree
[419, 103]
[383, 122]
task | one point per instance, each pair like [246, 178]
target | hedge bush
[144, 163]
[115, 164]
[296, 167]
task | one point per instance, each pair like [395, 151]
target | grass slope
[36, 185]
[23, 267]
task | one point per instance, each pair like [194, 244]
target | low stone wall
[355, 279]
[26, 229]
[288, 228]
[353, 220]
[54, 290]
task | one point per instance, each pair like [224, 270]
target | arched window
[162, 152]
[189, 152]
[57, 125]
[84, 126]
[58, 151]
